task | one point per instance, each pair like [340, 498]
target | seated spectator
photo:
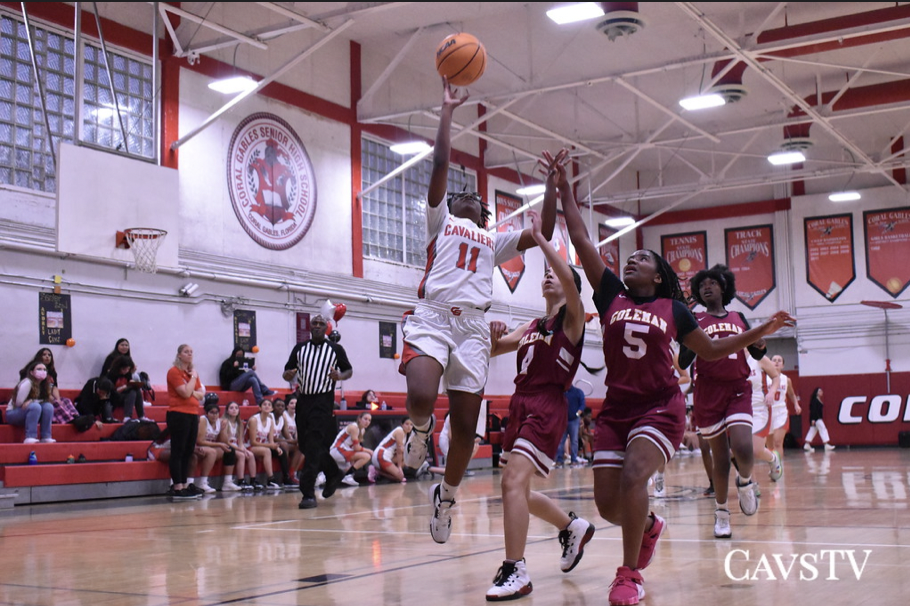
[46, 357]
[31, 403]
[238, 373]
[122, 348]
[368, 401]
[347, 450]
[127, 392]
[95, 399]
[243, 459]
[388, 459]
[286, 437]
[260, 430]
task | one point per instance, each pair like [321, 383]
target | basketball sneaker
[573, 540]
[441, 522]
[627, 588]
[748, 496]
[660, 489]
[649, 541]
[808, 447]
[416, 446]
[229, 486]
[828, 447]
[510, 583]
[777, 467]
[722, 528]
[349, 480]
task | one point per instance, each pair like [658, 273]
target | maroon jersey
[546, 360]
[636, 342]
[733, 367]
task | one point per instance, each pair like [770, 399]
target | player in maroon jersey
[642, 421]
[723, 395]
[549, 350]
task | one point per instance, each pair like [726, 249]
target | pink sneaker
[627, 588]
[649, 541]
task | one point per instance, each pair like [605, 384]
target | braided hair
[720, 274]
[669, 282]
[485, 213]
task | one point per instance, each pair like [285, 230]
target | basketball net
[144, 243]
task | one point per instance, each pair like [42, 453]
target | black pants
[316, 429]
[183, 428]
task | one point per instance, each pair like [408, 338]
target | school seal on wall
[271, 181]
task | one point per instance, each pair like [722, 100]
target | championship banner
[750, 256]
[561, 241]
[829, 254]
[55, 325]
[609, 252]
[887, 247]
[687, 254]
[303, 326]
[388, 339]
[513, 269]
[244, 329]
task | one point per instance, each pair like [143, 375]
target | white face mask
[39, 374]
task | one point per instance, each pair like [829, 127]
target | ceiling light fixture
[531, 190]
[844, 196]
[234, 84]
[409, 148]
[619, 222]
[702, 102]
[782, 158]
[575, 12]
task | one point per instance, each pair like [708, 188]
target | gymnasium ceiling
[835, 74]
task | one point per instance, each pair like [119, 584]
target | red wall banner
[750, 256]
[561, 241]
[888, 248]
[513, 269]
[609, 252]
[829, 254]
[687, 254]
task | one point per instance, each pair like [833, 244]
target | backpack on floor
[136, 430]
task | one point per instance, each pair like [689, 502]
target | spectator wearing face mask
[31, 404]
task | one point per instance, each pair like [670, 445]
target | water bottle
[384, 405]
[129, 457]
[32, 458]
[246, 402]
[343, 404]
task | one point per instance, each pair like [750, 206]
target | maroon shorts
[719, 405]
[537, 424]
[661, 420]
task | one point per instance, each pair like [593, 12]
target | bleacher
[106, 473]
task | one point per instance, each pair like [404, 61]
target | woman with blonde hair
[185, 391]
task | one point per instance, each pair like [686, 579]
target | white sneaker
[30, 441]
[828, 447]
[777, 467]
[808, 447]
[722, 528]
[748, 497]
[350, 481]
[320, 479]
[573, 540]
[511, 582]
[441, 522]
[52, 440]
[204, 486]
[660, 490]
[416, 446]
[230, 487]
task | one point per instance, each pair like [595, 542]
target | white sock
[743, 481]
[721, 507]
[447, 492]
[189, 481]
[424, 428]
[228, 478]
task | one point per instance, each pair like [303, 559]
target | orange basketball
[461, 58]
[71, 342]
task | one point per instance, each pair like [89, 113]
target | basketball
[461, 58]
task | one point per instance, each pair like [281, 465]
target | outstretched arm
[548, 209]
[502, 342]
[715, 349]
[591, 261]
[440, 175]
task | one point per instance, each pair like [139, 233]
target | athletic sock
[425, 427]
[447, 492]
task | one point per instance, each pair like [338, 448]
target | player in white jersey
[765, 381]
[447, 335]
[780, 417]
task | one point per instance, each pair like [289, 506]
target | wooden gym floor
[370, 545]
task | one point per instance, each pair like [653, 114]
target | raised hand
[778, 321]
[450, 99]
[497, 330]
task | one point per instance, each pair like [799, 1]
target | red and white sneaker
[649, 541]
[627, 588]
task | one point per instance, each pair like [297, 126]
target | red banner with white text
[513, 269]
[750, 256]
[687, 254]
[829, 254]
[888, 248]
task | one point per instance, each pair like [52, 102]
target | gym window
[25, 158]
[394, 214]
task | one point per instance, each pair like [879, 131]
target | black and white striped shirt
[313, 363]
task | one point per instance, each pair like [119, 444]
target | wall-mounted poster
[244, 329]
[513, 269]
[888, 248]
[388, 339]
[55, 323]
[609, 252]
[687, 254]
[303, 326]
[750, 256]
[829, 254]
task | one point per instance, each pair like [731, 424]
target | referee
[317, 364]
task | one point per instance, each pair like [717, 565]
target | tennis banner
[686, 253]
[750, 256]
[830, 264]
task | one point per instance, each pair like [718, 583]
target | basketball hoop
[144, 242]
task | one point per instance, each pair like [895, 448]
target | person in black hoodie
[238, 373]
